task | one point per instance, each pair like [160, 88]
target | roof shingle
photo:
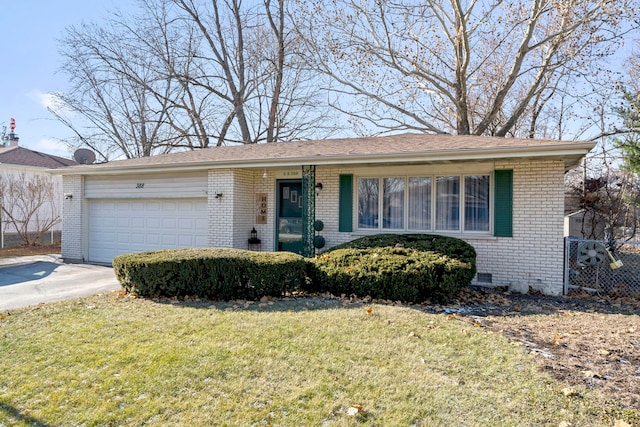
[341, 151]
[23, 156]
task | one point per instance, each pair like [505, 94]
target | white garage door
[118, 226]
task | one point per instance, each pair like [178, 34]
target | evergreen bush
[410, 268]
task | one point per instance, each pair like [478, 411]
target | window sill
[464, 236]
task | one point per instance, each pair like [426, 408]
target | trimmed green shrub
[213, 273]
[410, 268]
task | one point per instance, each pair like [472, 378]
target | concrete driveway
[31, 280]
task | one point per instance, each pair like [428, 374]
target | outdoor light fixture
[68, 196]
[253, 240]
[218, 195]
[319, 186]
[265, 175]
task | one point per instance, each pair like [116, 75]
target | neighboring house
[585, 224]
[25, 169]
[504, 196]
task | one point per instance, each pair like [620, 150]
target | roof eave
[571, 154]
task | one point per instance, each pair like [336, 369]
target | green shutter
[345, 206]
[503, 216]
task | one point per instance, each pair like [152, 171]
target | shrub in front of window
[410, 268]
[213, 273]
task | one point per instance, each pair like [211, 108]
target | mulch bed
[29, 250]
[585, 341]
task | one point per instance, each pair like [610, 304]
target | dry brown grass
[29, 250]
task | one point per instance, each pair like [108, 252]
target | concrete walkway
[31, 280]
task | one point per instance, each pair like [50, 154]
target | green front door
[289, 219]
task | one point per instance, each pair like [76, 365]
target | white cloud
[51, 146]
[47, 100]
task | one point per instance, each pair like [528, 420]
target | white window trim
[460, 232]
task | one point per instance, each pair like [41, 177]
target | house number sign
[140, 185]
[261, 208]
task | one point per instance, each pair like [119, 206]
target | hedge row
[211, 273]
[409, 268]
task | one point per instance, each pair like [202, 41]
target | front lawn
[118, 360]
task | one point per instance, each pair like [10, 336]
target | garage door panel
[108, 222]
[169, 224]
[137, 223]
[153, 223]
[186, 224]
[153, 239]
[137, 239]
[123, 238]
[169, 241]
[187, 241]
[123, 226]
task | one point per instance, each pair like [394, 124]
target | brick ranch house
[504, 196]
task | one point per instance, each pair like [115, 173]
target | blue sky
[30, 30]
[29, 61]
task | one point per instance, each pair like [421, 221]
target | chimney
[11, 140]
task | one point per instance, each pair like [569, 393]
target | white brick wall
[244, 207]
[232, 216]
[534, 255]
[221, 209]
[72, 219]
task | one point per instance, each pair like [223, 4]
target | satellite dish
[84, 156]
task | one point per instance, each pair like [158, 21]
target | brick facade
[533, 257]
[72, 218]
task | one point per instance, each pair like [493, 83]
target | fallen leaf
[556, 340]
[354, 410]
[413, 334]
[631, 330]
[564, 424]
[369, 310]
[569, 391]
[590, 374]
[603, 352]
[621, 423]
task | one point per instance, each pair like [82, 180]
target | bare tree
[122, 98]
[468, 67]
[29, 205]
[188, 74]
[249, 58]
